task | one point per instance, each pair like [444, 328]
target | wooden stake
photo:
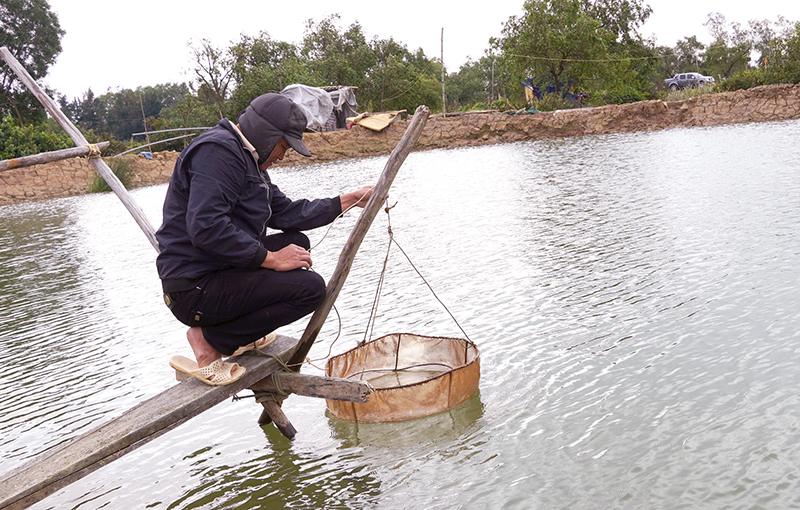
[374, 205]
[49, 157]
[99, 165]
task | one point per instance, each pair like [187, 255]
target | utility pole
[444, 109]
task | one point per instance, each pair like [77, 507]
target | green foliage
[555, 38]
[214, 73]
[785, 51]
[620, 17]
[44, 136]
[470, 85]
[400, 80]
[335, 56]
[123, 168]
[686, 56]
[744, 80]
[121, 113]
[31, 32]
[264, 65]
[553, 102]
[582, 46]
[730, 51]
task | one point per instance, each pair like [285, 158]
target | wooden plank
[49, 157]
[52, 470]
[363, 223]
[333, 388]
[375, 121]
[99, 165]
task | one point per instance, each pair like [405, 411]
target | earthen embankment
[760, 104]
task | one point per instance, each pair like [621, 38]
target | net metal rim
[468, 345]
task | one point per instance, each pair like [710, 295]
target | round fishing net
[413, 376]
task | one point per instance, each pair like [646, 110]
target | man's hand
[358, 198]
[288, 258]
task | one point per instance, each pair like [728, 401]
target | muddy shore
[760, 104]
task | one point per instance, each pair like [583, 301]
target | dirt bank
[760, 104]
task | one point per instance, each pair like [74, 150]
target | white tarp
[316, 103]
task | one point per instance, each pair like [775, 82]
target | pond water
[635, 299]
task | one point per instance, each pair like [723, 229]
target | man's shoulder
[221, 135]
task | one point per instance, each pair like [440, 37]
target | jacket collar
[245, 141]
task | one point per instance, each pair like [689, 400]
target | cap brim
[298, 145]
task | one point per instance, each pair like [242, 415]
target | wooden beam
[363, 223]
[333, 388]
[99, 165]
[57, 468]
[273, 409]
[49, 157]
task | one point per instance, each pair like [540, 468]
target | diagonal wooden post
[374, 205]
[99, 165]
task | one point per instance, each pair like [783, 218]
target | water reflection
[437, 429]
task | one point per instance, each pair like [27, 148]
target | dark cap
[269, 118]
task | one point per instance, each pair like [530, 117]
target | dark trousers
[238, 306]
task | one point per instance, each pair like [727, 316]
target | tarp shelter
[326, 108]
[344, 105]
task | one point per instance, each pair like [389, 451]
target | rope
[334, 221]
[619, 59]
[376, 300]
[94, 151]
[276, 380]
[374, 312]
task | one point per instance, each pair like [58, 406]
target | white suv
[683, 80]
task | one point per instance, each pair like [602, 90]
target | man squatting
[222, 275]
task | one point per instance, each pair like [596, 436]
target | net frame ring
[457, 377]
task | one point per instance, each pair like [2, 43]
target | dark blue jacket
[219, 205]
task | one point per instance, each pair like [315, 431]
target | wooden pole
[99, 165]
[357, 235]
[444, 108]
[49, 157]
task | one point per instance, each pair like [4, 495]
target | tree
[556, 38]
[730, 50]
[214, 73]
[400, 79]
[333, 56]
[784, 66]
[264, 65]
[620, 17]
[471, 85]
[31, 32]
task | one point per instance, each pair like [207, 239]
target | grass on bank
[123, 168]
[688, 93]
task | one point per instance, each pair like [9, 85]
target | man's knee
[300, 239]
[313, 289]
[275, 242]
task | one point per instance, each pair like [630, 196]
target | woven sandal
[217, 373]
[258, 344]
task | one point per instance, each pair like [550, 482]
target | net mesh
[413, 376]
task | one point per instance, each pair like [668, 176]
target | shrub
[688, 93]
[16, 141]
[552, 102]
[122, 167]
[745, 80]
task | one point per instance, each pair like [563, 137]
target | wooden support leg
[273, 412]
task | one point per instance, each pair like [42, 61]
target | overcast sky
[114, 45]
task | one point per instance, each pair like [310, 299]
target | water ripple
[633, 296]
